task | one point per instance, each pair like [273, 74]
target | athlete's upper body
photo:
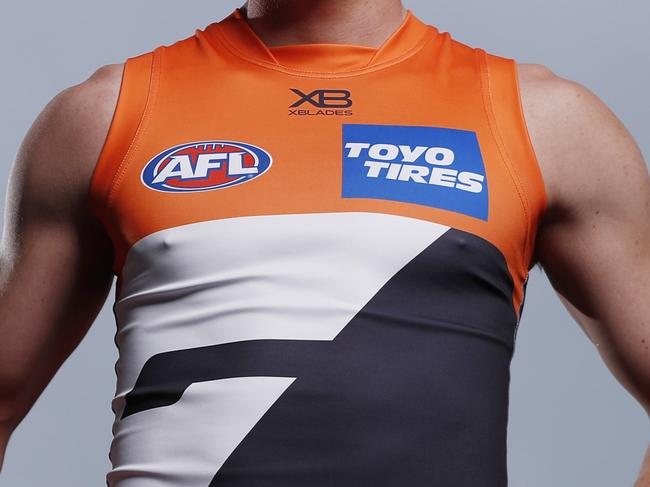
[322, 217]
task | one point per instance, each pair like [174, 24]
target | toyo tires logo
[433, 166]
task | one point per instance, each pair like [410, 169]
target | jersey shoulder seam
[151, 93]
[488, 104]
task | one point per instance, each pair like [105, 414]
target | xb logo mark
[323, 98]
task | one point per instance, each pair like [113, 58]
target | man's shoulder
[77, 118]
[84, 108]
[572, 131]
[67, 137]
[551, 94]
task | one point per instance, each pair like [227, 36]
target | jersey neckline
[240, 39]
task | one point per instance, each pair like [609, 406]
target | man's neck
[360, 22]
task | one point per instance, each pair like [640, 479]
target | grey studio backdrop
[571, 423]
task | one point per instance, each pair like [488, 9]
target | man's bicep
[54, 257]
[594, 241]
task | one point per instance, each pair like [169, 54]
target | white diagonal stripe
[300, 277]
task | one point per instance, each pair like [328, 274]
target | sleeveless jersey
[321, 254]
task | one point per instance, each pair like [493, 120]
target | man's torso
[320, 274]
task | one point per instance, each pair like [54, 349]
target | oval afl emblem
[203, 166]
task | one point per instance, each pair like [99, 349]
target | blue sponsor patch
[432, 166]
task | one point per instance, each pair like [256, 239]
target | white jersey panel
[290, 277]
[194, 436]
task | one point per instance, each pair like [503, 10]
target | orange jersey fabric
[219, 129]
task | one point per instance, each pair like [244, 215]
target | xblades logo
[326, 102]
[324, 98]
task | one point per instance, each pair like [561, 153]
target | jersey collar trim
[235, 32]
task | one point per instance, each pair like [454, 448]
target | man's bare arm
[55, 260]
[594, 240]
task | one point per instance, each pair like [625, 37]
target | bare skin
[594, 240]
[593, 243]
[360, 22]
[55, 259]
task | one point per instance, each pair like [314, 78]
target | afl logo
[203, 166]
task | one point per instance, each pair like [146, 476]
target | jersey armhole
[534, 167]
[507, 110]
[124, 130]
